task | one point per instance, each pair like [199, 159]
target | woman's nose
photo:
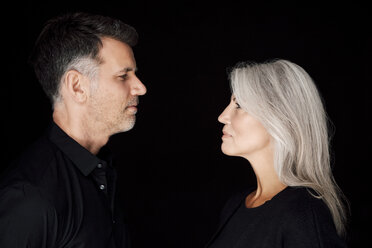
[224, 117]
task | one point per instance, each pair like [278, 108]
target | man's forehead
[118, 54]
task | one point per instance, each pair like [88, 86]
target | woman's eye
[237, 104]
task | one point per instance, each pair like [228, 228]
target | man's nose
[138, 88]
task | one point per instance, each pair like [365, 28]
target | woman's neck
[268, 182]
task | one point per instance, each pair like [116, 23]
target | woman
[277, 122]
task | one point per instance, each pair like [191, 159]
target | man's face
[113, 104]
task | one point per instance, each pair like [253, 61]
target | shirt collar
[84, 160]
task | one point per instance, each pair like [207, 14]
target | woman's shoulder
[300, 198]
[298, 192]
[305, 216]
[301, 204]
[235, 200]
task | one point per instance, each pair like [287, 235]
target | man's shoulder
[26, 215]
[31, 166]
[26, 183]
[23, 195]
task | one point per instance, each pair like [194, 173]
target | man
[60, 192]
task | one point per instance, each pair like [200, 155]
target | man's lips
[133, 103]
[132, 108]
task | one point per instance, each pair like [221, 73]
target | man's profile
[60, 191]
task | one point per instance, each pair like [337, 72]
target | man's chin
[127, 127]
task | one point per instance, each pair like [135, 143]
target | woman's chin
[225, 150]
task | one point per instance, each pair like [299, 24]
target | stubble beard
[122, 123]
[127, 123]
[108, 122]
[128, 119]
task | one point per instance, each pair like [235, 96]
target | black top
[58, 194]
[292, 218]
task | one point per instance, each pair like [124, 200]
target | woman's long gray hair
[284, 98]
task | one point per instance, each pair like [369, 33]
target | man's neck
[81, 132]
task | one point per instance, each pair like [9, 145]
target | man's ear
[76, 86]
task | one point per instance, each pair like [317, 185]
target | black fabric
[292, 218]
[58, 194]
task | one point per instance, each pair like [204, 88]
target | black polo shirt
[58, 194]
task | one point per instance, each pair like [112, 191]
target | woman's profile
[276, 120]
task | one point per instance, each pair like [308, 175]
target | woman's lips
[226, 135]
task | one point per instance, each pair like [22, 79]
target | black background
[173, 177]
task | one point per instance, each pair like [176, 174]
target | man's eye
[124, 76]
[237, 105]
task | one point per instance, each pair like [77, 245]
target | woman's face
[243, 135]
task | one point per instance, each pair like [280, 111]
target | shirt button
[102, 187]
[99, 166]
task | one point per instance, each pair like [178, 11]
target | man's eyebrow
[127, 69]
